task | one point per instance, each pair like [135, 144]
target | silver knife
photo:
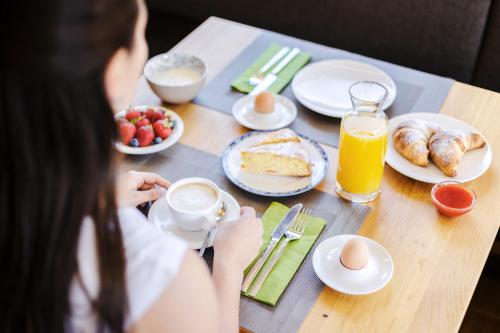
[271, 77]
[278, 232]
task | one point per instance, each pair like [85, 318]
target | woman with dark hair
[76, 256]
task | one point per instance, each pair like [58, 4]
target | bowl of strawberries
[147, 129]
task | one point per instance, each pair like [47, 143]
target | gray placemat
[416, 91]
[341, 217]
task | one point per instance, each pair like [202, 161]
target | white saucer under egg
[374, 276]
[159, 215]
[283, 115]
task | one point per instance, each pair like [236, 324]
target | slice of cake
[282, 159]
[280, 136]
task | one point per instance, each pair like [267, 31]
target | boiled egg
[264, 102]
[354, 254]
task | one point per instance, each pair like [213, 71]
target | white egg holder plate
[373, 277]
[283, 115]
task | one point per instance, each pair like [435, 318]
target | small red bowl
[452, 199]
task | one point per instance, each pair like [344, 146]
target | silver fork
[294, 232]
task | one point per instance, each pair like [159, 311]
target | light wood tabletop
[438, 261]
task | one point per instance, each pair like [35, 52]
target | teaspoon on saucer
[211, 233]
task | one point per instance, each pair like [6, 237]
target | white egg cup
[283, 115]
[371, 278]
[269, 118]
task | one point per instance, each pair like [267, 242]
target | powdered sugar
[291, 149]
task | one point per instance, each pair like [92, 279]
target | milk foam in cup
[194, 203]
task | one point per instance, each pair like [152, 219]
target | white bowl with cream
[175, 77]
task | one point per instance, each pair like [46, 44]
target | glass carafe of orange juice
[363, 141]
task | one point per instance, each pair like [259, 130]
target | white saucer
[472, 165]
[374, 276]
[324, 86]
[159, 215]
[283, 115]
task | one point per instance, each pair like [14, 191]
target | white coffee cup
[194, 203]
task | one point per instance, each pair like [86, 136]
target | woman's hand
[238, 243]
[134, 188]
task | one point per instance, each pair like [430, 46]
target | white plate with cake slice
[471, 165]
[275, 164]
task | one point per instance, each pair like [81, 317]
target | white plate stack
[324, 86]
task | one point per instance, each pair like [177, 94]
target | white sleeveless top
[153, 259]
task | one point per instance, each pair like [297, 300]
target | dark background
[453, 38]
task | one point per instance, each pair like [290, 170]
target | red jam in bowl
[451, 199]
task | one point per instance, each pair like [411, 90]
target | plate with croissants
[432, 148]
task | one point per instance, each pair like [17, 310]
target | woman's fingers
[152, 178]
[149, 195]
[248, 212]
[146, 186]
[149, 178]
[261, 229]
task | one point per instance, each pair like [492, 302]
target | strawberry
[145, 135]
[143, 121]
[162, 129]
[157, 115]
[132, 114]
[149, 113]
[127, 132]
[121, 121]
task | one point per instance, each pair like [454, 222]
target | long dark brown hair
[57, 128]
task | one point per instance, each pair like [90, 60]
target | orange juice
[363, 142]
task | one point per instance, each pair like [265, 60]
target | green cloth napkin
[284, 77]
[292, 256]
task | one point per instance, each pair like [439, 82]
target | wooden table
[438, 261]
